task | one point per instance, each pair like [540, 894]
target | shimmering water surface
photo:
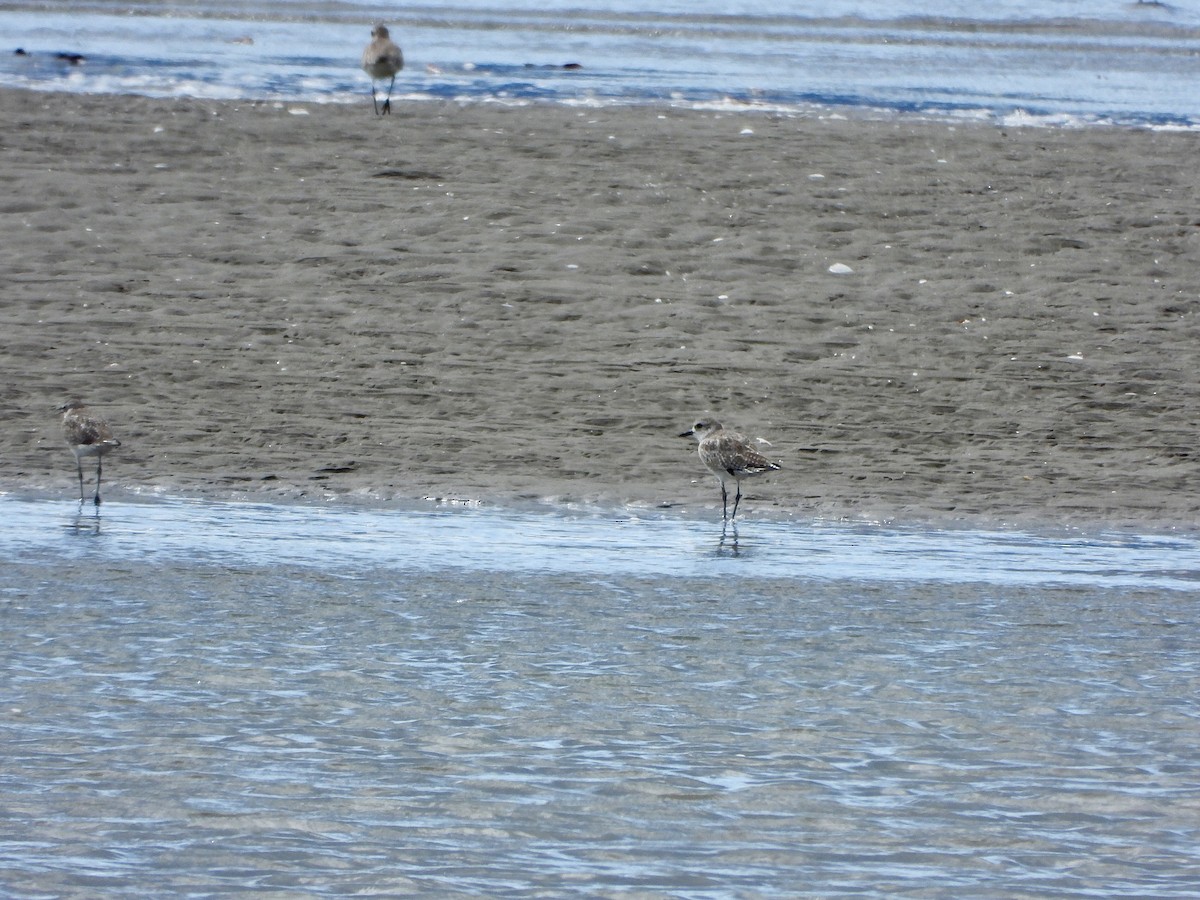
[1021, 61]
[206, 698]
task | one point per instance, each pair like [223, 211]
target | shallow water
[328, 701]
[346, 540]
[1017, 61]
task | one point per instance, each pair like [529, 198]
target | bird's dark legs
[96, 499]
[736, 501]
[724, 504]
[79, 469]
[387, 103]
[386, 108]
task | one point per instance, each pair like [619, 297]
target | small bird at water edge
[728, 454]
[87, 435]
[382, 59]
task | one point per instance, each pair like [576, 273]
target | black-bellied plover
[87, 435]
[382, 59]
[728, 454]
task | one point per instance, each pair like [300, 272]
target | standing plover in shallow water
[728, 454]
[87, 435]
[382, 59]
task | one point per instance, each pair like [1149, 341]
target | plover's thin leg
[725, 503]
[387, 103]
[79, 469]
[736, 501]
[99, 463]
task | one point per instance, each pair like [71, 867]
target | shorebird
[728, 454]
[87, 435]
[382, 59]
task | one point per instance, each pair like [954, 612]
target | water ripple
[346, 540]
[1021, 61]
[202, 698]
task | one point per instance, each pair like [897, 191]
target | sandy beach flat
[929, 323]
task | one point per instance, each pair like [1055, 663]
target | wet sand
[512, 304]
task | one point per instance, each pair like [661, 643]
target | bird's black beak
[688, 433]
